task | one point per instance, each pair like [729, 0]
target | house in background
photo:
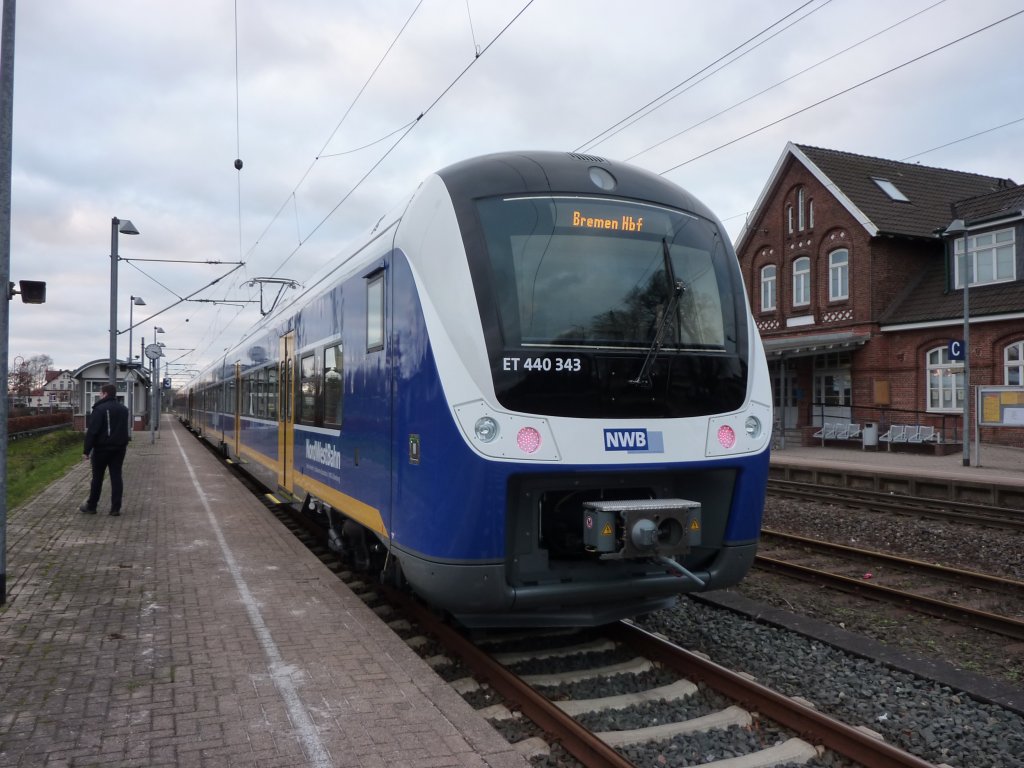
[59, 389]
[858, 293]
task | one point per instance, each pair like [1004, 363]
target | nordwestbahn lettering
[625, 439]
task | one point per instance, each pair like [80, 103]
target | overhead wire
[405, 130]
[785, 80]
[336, 128]
[627, 121]
[964, 138]
[401, 138]
[292, 196]
[843, 92]
[238, 135]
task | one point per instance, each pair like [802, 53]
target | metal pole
[129, 379]
[6, 131]
[967, 357]
[112, 378]
[977, 427]
[153, 415]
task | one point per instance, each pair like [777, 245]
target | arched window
[945, 382]
[1013, 365]
[789, 219]
[802, 282]
[800, 209]
[810, 214]
[768, 287]
[839, 275]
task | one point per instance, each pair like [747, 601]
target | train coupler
[641, 528]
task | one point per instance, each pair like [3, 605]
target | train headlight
[726, 436]
[528, 439]
[505, 436]
[485, 429]
[753, 427]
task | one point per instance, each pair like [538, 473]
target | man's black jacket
[108, 426]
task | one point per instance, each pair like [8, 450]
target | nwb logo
[625, 440]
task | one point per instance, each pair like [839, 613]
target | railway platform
[997, 480]
[194, 630]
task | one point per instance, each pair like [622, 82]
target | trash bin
[870, 435]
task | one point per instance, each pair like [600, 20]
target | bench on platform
[831, 430]
[910, 434]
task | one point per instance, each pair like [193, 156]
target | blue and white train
[534, 395]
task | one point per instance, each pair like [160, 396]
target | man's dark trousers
[102, 459]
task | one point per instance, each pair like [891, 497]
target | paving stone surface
[194, 630]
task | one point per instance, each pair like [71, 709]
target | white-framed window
[945, 382]
[375, 312]
[769, 287]
[789, 219]
[891, 190]
[991, 256]
[839, 275]
[802, 282]
[810, 214]
[833, 386]
[1013, 365]
[800, 220]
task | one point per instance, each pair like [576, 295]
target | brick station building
[856, 287]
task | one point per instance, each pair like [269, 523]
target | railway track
[678, 674]
[882, 576]
[563, 719]
[916, 506]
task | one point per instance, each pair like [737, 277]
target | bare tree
[38, 365]
[24, 376]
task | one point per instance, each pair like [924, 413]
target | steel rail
[962, 576]
[577, 740]
[816, 727]
[943, 509]
[1003, 625]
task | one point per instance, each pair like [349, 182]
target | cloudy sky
[138, 109]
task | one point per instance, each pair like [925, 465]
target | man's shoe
[87, 509]
[115, 512]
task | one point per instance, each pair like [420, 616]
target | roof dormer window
[891, 190]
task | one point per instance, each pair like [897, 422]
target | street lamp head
[158, 329]
[138, 301]
[127, 228]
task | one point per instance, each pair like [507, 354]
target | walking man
[106, 442]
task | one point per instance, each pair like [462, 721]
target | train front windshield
[636, 304]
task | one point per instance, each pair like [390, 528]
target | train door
[286, 413]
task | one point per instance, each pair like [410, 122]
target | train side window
[333, 385]
[245, 406]
[259, 384]
[270, 396]
[253, 378]
[307, 389]
[375, 312]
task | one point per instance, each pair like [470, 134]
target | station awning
[811, 344]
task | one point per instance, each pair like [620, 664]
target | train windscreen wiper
[643, 379]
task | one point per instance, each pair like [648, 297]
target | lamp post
[959, 228]
[154, 353]
[125, 227]
[136, 301]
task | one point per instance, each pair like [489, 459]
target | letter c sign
[957, 349]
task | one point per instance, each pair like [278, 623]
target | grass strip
[35, 462]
